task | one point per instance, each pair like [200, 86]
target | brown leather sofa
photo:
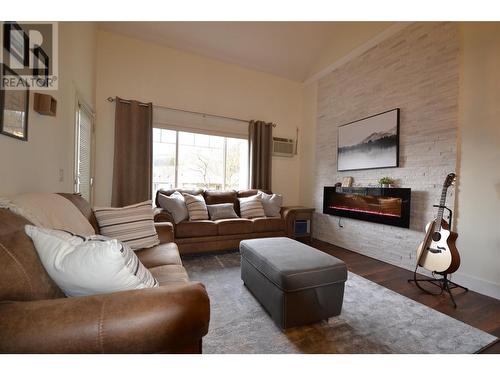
[36, 317]
[207, 236]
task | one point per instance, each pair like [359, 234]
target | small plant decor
[386, 181]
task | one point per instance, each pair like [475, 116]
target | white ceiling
[290, 50]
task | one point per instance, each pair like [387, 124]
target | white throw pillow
[83, 266]
[272, 204]
[175, 205]
[251, 207]
[133, 225]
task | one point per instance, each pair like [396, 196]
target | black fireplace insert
[389, 206]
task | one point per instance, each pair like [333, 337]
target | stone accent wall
[416, 70]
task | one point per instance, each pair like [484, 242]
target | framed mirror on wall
[14, 107]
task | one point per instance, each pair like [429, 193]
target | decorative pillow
[83, 266]
[272, 204]
[221, 211]
[251, 207]
[175, 204]
[132, 225]
[196, 207]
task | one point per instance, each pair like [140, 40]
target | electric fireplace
[389, 206]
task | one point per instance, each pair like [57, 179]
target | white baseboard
[486, 287]
[476, 284]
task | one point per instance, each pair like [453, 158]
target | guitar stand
[444, 284]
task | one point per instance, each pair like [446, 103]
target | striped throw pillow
[196, 206]
[251, 207]
[132, 225]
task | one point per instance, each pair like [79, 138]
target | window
[194, 160]
[84, 129]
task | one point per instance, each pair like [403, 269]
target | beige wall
[478, 206]
[135, 69]
[345, 40]
[307, 145]
[35, 165]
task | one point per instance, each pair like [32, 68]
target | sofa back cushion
[250, 192]
[23, 277]
[218, 197]
[171, 191]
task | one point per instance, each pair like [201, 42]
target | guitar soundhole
[436, 236]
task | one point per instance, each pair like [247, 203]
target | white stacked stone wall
[416, 70]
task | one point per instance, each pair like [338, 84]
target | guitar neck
[442, 202]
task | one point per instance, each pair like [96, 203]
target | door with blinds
[84, 133]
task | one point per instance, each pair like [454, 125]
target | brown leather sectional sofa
[207, 235]
[36, 317]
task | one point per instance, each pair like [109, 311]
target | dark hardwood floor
[473, 308]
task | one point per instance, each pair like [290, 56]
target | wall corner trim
[358, 51]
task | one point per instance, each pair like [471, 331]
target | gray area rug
[374, 319]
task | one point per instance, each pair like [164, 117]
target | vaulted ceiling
[292, 50]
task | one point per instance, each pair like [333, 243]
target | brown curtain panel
[260, 138]
[132, 169]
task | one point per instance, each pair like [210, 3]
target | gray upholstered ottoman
[295, 283]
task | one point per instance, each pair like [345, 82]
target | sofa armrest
[288, 215]
[165, 232]
[162, 216]
[291, 213]
[155, 320]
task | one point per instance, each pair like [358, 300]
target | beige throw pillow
[251, 207]
[49, 210]
[272, 204]
[175, 205]
[196, 207]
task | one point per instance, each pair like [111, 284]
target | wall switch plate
[61, 175]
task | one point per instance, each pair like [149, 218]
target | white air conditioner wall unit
[283, 147]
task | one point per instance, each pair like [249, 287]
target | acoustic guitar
[437, 252]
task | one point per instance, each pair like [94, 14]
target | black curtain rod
[111, 99]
